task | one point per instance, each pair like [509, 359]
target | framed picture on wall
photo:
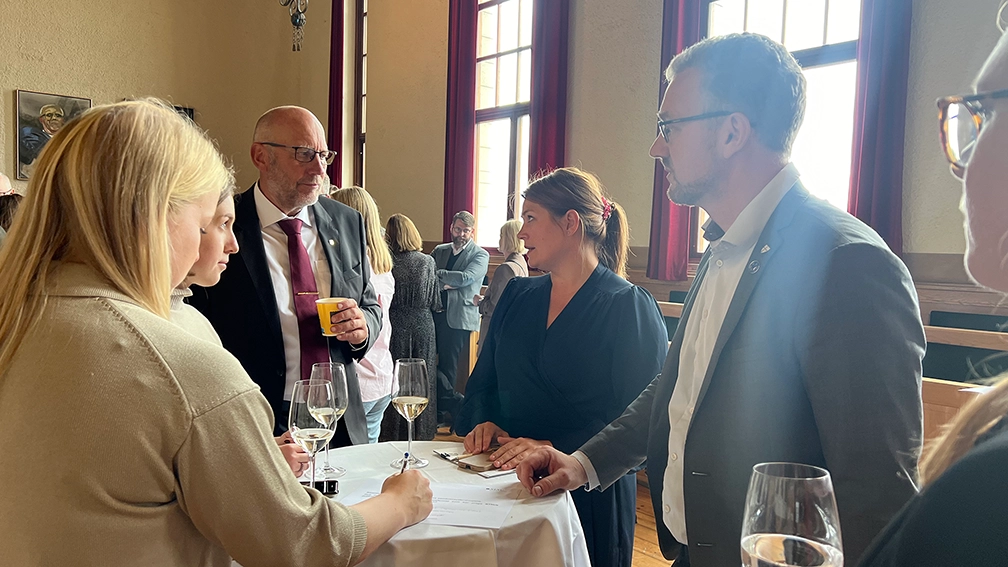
[39, 116]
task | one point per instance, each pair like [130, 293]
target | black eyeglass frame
[663, 123]
[976, 111]
[328, 156]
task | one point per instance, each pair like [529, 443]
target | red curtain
[669, 244]
[548, 120]
[883, 56]
[460, 134]
[336, 93]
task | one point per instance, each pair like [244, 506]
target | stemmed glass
[335, 373]
[410, 401]
[791, 518]
[311, 398]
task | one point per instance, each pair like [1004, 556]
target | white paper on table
[466, 505]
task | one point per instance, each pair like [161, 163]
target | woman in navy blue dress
[568, 351]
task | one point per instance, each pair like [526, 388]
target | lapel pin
[765, 249]
[754, 266]
[332, 242]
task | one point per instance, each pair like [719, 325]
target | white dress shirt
[374, 371]
[728, 259]
[275, 244]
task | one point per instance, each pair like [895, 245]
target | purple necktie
[313, 345]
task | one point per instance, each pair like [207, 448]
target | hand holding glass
[790, 518]
[410, 375]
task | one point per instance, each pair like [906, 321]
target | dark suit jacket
[243, 306]
[957, 521]
[818, 361]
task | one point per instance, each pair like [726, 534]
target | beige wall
[949, 42]
[208, 55]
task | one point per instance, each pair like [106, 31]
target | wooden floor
[646, 551]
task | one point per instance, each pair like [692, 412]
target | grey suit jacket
[243, 306]
[465, 280]
[818, 361]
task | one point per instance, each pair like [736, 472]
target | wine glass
[311, 398]
[335, 373]
[410, 401]
[791, 518]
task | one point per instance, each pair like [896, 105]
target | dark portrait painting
[39, 116]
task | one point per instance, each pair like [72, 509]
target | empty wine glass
[791, 518]
[335, 373]
[311, 398]
[410, 401]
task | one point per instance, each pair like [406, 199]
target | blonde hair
[602, 220]
[402, 235]
[359, 199]
[509, 237]
[101, 194]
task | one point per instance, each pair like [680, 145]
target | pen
[405, 461]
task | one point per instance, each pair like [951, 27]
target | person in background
[295, 248]
[514, 266]
[157, 444]
[416, 299]
[9, 201]
[568, 351]
[374, 372]
[958, 519]
[217, 243]
[800, 339]
[462, 266]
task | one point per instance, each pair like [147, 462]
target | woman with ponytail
[960, 516]
[568, 351]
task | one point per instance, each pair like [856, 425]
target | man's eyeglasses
[461, 231]
[663, 125]
[960, 119]
[306, 155]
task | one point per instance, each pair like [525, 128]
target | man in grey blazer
[461, 267]
[800, 338]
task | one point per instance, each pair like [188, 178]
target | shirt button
[690, 411]
[719, 263]
[706, 313]
[674, 456]
[667, 508]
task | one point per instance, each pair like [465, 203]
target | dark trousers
[450, 343]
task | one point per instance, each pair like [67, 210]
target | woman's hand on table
[413, 493]
[296, 457]
[482, 436]
[513, 451]
[547, 470]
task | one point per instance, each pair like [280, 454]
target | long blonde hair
[378, 251]
[101, 194]
[402, 235]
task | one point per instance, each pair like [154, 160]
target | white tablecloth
[539, 531]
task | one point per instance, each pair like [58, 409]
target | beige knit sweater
[128, 441]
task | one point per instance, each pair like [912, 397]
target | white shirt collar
[269, 214]
[746, 229]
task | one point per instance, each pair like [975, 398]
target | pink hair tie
[606, 209]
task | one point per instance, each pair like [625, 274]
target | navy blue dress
[565, 383]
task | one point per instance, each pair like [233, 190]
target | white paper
[466, 505]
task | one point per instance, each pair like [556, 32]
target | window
[503, 81]
[360, 82]
[822, 35]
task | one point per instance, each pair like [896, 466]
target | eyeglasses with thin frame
[305, 155]
[960, 119]
[664, 124]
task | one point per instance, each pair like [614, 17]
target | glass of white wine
[331, 372]
[410, 401]
[312, 397]
[790, 518]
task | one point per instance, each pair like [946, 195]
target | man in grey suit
[800, 338]
[461, 267]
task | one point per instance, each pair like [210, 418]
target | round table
[538, 531]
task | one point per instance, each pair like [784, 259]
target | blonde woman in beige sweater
[144, 444]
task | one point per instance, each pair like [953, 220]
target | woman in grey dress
[416, 297]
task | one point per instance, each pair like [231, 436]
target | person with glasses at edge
[800, 338]
[461, 267]
[294, 248]
[32, 139]
[958, 519]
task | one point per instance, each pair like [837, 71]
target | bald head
[5, 185]
[286, 182]
[279, 120]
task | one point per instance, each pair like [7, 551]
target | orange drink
[326, 308]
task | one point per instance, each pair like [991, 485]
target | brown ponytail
[602, 221]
